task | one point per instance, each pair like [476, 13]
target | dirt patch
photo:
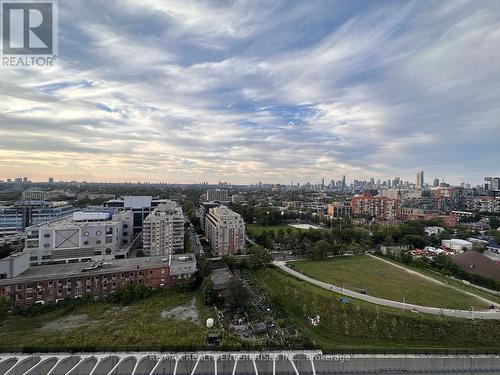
[184, 312]
[66, 323]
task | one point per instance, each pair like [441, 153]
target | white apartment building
[163, 230]
[219, 195]
[225, 230]
[81, 237]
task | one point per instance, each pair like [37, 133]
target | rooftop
[55, 271]
[220, 276]
[474, 262]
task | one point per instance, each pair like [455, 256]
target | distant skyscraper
[51, 180]
[420, 179]
[343, 182]
[436, 182]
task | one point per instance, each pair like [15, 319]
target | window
[47, 245]
[86, 233]
[98, 242]
[125, 226]
[108, 251]
[98, 233]
[46, 235]
[86, 243]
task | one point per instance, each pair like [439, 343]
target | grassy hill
[363, 325]
[383, 280]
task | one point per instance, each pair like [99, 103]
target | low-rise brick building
[54, 283]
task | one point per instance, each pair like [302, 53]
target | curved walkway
[488, 314]
[433, 280]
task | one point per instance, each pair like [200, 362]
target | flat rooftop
[244, 363]
[57, 271]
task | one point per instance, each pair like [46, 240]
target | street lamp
[267, 215]
[300, 213]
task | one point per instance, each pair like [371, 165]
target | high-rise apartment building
[163, 230]
[219, 195]
[34, 195]
[140, 205]
[225, 230]
[420, 179]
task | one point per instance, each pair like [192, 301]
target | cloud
[247, 91]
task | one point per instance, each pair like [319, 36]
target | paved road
[195, 241]
[487, 314]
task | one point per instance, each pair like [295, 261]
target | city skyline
[258, 91]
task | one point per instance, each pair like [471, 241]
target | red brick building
[54, 283]
[381, 208]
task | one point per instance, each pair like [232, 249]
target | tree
[268, 216]
[414, 241]
[305, 246]
[4, 306]
[229, 261]
[259, 256]
[321, 249]
[187, 242]
[236, 295]
[207, 292]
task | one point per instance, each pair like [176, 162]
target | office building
[81, 237]
[420, 179]
[163, 230]
[141, 206]
[225, 231]
[219, 195]
[16, 218]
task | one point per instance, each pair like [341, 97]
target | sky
[247, 91]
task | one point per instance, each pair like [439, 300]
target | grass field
[363, 325]
[383, 280]
[458, 284]
[255, 230]
[110, 326]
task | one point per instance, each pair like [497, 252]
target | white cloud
[247, 91]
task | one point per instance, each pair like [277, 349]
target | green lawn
[109, 326]
[458, 284]
[383, 280]
[255, 230]
[363, 325]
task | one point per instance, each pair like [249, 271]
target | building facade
[225, 231]
[82, 237]
[141, 206]
[55, 283]
[219, 195]
[16, 218]
[163, 230]
[379, 207]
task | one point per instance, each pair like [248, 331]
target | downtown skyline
[257, 91]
